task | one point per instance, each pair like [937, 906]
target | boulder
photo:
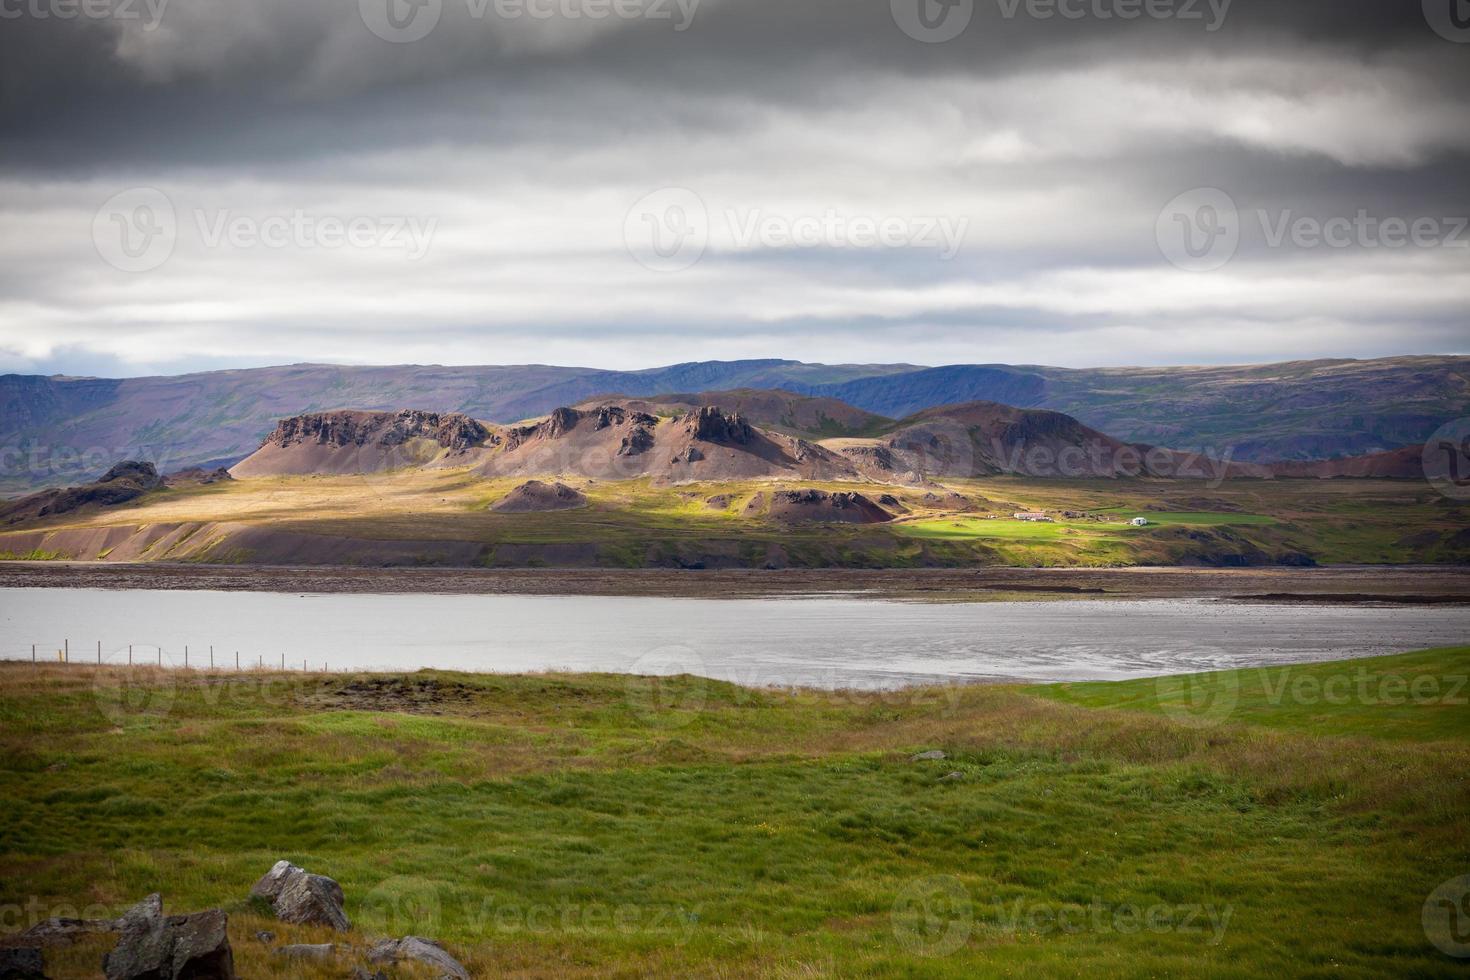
[425, 951]
[934, 755]
[64, 932]
[302, 898]
[22, 964]
[177, 947]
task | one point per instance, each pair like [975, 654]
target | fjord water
[818, 642]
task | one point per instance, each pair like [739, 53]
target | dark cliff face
[710, 424]
[453, 431]
[563, 420]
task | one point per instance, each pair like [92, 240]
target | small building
[1031, 515]
[1139, 522]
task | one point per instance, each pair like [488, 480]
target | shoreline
[1339, 585]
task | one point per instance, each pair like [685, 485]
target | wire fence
[190, 657]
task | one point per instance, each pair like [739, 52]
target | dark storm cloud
[1056, 140]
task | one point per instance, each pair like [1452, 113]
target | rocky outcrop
[417, 950]
[126, 481]
[818, 506]
[533, 496]
[710, 424]
[177, 947]
[197, 477]
[341, 429]
[639, 440]
[300, 897]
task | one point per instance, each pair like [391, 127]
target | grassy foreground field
[552, 826]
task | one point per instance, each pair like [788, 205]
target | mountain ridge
[59, 430]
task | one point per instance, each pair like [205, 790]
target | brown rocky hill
[644, 439]
[1400, 464]
[125, 481]
[614, 442]
[533, 496]
[990, 439]
[348, 442]
[618, 442]
[770, 408]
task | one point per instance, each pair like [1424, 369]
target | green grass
[1414, 696]
[590, 825]
[1196, 519]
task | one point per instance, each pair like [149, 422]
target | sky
[198, 184]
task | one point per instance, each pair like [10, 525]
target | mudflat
[1333, 584]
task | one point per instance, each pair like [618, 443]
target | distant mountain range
[60, 430]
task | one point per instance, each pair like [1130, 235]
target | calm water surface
[821, 642]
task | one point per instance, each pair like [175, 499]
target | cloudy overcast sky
[191, 184]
